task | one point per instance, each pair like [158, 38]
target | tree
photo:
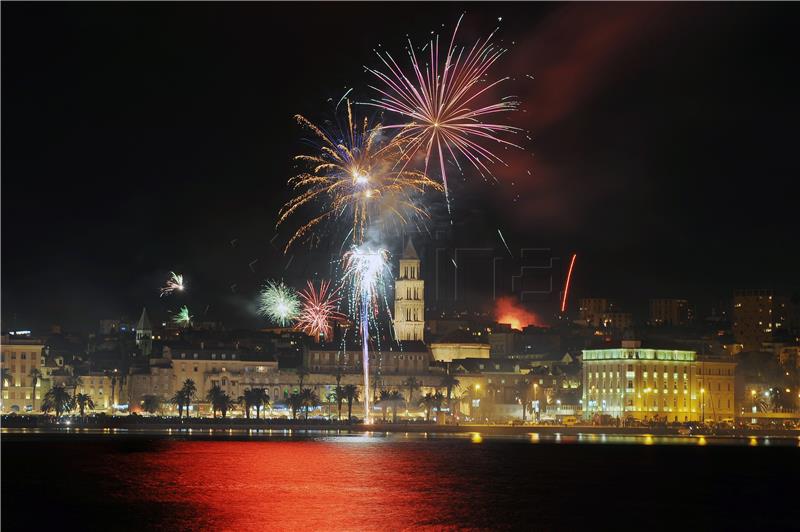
[522, 393]
[412, 385]
[438, 400]
[189, 392]
[339, 396]
[84, 401]
[395, 399]
[6, 377]
[309, 399]
[151, 403]
[246, 400]
[350, 393]
[302, 373]
[57, 399]
[260, 400]
[179, 400]
[226, 404]
[428, 403]
[295, 403]
[215, 397]
[383, 400]
[449, 382]
[74, 381]
[35, 376]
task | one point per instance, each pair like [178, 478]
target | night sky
[143, 138]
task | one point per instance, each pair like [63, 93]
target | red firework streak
[566, 284]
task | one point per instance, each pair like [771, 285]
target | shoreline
[210, 426]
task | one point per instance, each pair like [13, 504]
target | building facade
[409, 298]
[670, 312]
[757, 316]
[592, 309]
[22, 358]
[657, 384]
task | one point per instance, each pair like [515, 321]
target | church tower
[409, 297]
[144, 334]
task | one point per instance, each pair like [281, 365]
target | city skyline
[633, 163]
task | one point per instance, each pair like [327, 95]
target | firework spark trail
[365, 268]
[183, 318]
[439, 102]
[319, 310]
[504, 242]
[354, 173]
[566, 284]
[174, 283]
[278, 303]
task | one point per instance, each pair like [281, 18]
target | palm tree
[179, 400]
[383, 400]
[350, 393]
[295, 403]
[522, 393]
[57, 399]
[412, 385]
[339, 396]
[189, 392]
[428, 403]
[247, 401]
[309, 399]
[449, 382]
[35, 376]
[302, 373]
[151, 403]
[396, 399]
[84, 401]
[260, 399]
[74, 381]
[215, 398]
[6, 377]
[226, 403]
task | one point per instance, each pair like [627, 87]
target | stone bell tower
[409, 297]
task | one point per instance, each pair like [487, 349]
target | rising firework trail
[443, 104]
[319, 310]
[182, 318]
[504, 242]
[174, 283]
[278, 303]
[364, 268]
[357, 172]
[566, 284]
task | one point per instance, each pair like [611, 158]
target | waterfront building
[591, 310]
[409, 298]
[144, 334]
[21, 357]
[663, 384]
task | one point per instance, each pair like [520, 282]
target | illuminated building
[19, 357]
[757, 316]
[408, 358]
[591, 310]
[409, 298]
[619, 321]
[664, 384]
[672, 312]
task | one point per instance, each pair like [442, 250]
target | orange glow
[508, 310]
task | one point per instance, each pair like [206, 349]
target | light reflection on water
[348, 436]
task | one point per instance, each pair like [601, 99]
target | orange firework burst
[355, 173]
[319, 310]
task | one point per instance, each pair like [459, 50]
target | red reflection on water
[294, 485]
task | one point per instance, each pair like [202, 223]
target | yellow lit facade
[648, 384]
[19, 357]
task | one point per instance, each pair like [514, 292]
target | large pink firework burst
[319, 310]
[442, 104]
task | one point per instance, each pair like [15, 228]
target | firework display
[359, 174]
[279, 303]
[365, 268]
[441, 102]
[183, 318]
[319, 310]
[174, 283]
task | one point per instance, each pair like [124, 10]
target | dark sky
[143, 138]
